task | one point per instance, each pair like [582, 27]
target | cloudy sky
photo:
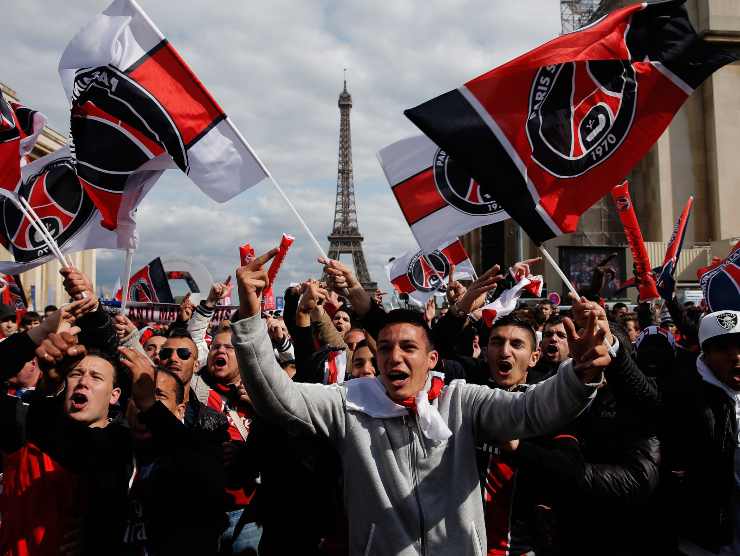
[276, 69]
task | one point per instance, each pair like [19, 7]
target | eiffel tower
[345, 236]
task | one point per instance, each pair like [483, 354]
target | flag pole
[279, 189]
[558, 270]
[127, 278]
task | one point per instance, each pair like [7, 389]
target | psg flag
[421, 277]
[19, 129]
[720, 282]
[548, 133]
[52, 187]
[437, 199]
[149, 285]
[665, 281]
[136, 105]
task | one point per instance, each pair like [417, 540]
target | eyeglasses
[182, 353]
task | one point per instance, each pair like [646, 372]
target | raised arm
[545, 408]
[311, 408]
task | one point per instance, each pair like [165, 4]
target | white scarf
[367, 395]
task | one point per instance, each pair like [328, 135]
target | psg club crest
[141, 291]
[58, 198]
[728, 321]
[579, 114]
[426, 278]
[459, 189]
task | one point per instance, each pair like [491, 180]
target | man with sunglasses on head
[218, 386]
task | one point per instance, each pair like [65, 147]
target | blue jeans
[243, 542]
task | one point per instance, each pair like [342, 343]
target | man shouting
[406, 440]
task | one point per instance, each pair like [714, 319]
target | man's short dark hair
[179, 384]
[619, 305]
[50, 308]
[554, 320]
[178, 332]
[68, 362]
[29, 317]
[408, 316]
[513, 320]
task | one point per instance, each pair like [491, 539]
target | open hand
[588, 349]
[582, 308]
[475, 297]
[455, 290]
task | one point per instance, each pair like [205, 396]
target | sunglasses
[182, 353]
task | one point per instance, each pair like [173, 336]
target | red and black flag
[149, 285]
[52, 188]
[720, 282]
[549, 132]
[20, 127]
[137, 106]
[665, 281]
[421, 276]
[437, 200]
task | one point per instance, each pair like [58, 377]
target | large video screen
[579, 263]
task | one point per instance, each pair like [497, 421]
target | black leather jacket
[700, 436]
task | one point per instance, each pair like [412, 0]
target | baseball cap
[718, 324]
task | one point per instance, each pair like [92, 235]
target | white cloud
[276, 68]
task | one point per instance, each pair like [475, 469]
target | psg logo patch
[728, 321]
[459, 189]
[60, 202]
[425, 277]
[579, 114]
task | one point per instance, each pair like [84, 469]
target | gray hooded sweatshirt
[404, 493]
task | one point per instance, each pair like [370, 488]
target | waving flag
[547, 133]
[506, 303]
[437, 199]
[136, 105]
[149, 285]
[720, 282]
[30, 125]
[51, 186]
[665, 282]
[19, 130]
[412, 274]
[626, 212]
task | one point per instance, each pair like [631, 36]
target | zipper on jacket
[412, 463]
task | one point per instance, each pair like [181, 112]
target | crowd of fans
[338, 427]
